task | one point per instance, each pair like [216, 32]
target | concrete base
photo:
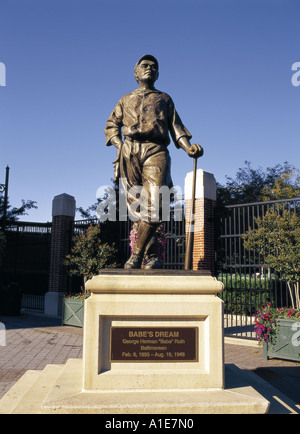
[153, 300]
[168, 357]
[58, 390]
[53, 304]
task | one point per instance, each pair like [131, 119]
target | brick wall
[62, 230]
[63, 214]
[203, 246]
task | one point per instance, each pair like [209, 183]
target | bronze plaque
[153, 344]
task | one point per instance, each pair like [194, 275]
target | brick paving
[33, 341]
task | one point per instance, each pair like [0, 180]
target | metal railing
[119, 232]
[32, 301]
[248, 283]
[27, 255]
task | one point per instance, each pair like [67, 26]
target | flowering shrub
[80, 296]
[90, 254]
[266, 321]
[161, 238]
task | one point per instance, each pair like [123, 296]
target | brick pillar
[205, 200]
[63, 213]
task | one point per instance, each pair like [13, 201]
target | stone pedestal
[153, 344]
[172, 332]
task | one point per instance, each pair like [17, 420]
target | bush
[242, 295]
[277, 239]
[89, 254]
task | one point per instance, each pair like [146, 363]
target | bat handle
[188, 261]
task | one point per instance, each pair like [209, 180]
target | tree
[277, 239]
[89, 254]
[14, 213]
[287, 186]
[254, 185]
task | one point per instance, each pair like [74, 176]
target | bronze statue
[146, 116]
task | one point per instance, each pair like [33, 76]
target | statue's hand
[195, 151]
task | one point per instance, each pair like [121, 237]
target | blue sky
[226, 64]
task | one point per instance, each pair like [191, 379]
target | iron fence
[32, 301]
[119, 232]
[175, 242]
[27, 256]
[248, 283]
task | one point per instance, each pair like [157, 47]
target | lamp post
[4, 188]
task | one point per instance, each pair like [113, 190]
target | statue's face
[146, 71]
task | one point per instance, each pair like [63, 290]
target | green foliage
[277, 239]
[79, 296]
[89, 254]
[14, 213]
[242, 294]
[254, 185]
[287, 186]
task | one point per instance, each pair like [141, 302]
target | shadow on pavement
[29, 321]
[284, 400]
[285, 379]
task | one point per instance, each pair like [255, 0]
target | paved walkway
[33, 341]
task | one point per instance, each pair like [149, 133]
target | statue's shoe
[153, 263]
[134, 262]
